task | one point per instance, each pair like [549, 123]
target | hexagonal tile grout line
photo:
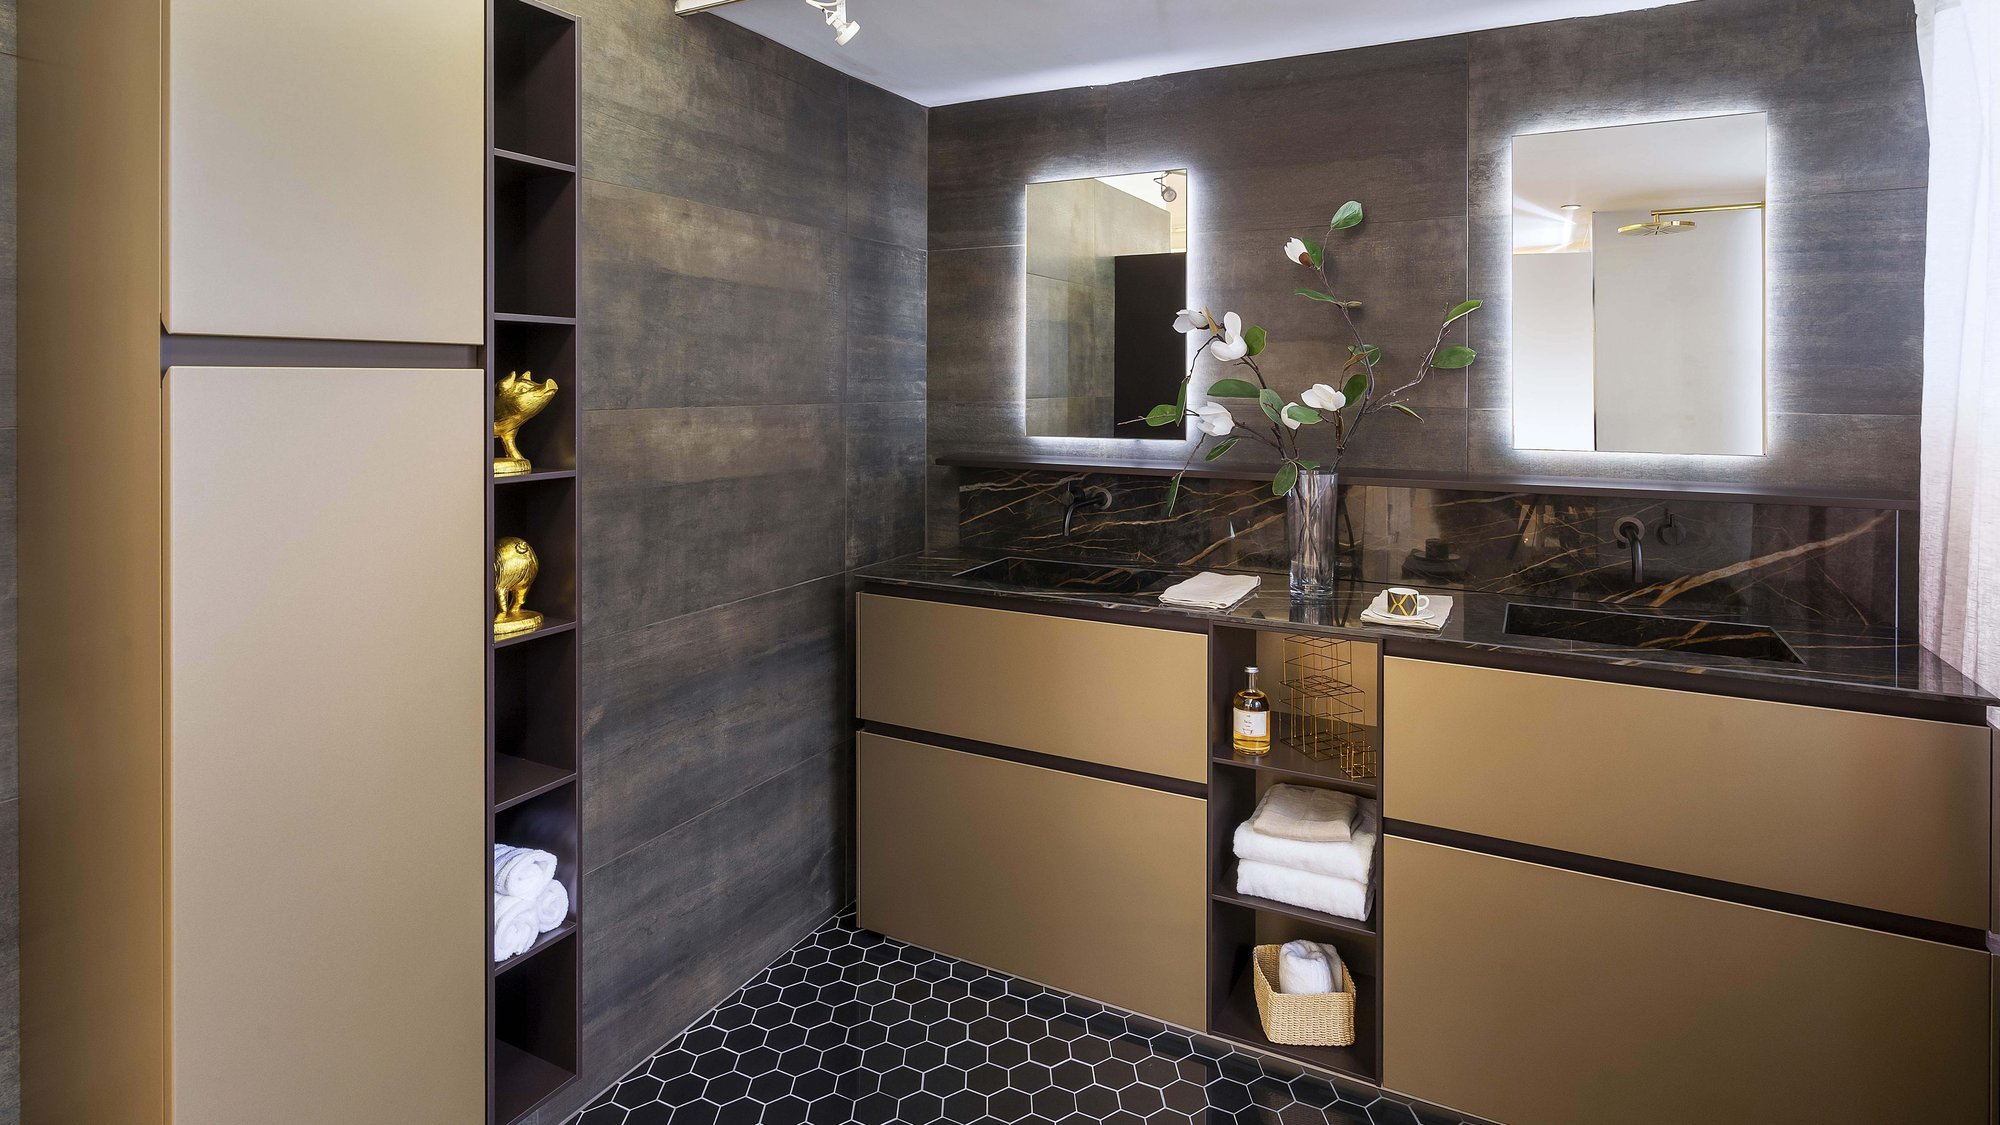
[853, 1028]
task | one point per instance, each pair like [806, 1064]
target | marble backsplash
[1774, 561]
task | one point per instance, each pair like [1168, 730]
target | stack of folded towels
[527, 900]
[1309, 968]
[1312, 848]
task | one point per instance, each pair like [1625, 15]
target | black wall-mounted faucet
[1631, 533]
[1072, 499]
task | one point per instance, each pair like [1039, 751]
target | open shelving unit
[534, 680]
[1239, 922]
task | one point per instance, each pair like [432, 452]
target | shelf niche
[543, 512]
[548, 351]
[534, 1028]
[534, 718]
[535, 74]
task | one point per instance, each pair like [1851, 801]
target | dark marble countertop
[1875, 663]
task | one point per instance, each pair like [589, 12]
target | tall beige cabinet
[252, 562]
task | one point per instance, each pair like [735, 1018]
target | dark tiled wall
[1419, 132]
[10, 902]
[754, 336]
[1791, 562]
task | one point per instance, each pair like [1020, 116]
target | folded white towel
[1342, 898]
[1310, 968]
[521, 872]
[1299, 812]
[513, 926]
[1352, 860]
[1430, 621]
[1209, 590]
[551, 906]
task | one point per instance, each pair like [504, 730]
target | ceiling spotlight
[844, 29]
[1572, 207]
[1167, 193]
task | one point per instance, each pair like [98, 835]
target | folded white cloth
[513, 926]
[1342, 898]
[1300, 812]
[551, 906]
[1353, 860]
[1430, 621]
[1209, 590]
[521, 872]
[1310, 968]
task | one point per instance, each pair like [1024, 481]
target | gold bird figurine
[516, 399]
[514, 570]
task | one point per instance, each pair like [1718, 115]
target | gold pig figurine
[514, 570]
[516, 399]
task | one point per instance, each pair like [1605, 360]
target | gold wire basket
[1321, 713]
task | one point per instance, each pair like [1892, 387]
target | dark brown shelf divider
[1363, 930]
[1288, 762]
[534, 728]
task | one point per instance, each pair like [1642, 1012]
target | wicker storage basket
[1324, 1020]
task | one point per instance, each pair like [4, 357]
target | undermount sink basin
[1047, 574]
[1664, 634]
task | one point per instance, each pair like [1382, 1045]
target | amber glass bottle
[1251, 729]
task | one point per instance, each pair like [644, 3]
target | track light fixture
[1167, 192]
[844, 29]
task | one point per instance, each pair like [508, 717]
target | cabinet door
[1524, 993]
[1091, 886]
[327, 863]
[325, 172]
[1117, 695]
[1873, 810]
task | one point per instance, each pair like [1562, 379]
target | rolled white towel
[1299, 812]
[1342, 898]
[1303, 969]
[551, 906]
[1354, 859]
[513, 926]
[521, 872]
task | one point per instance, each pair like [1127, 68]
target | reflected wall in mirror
[1107, 272]
[1639, 287]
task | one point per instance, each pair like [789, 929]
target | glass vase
[1312, 510]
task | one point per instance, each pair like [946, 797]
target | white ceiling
[940, 52]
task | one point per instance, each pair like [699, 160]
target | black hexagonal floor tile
[852, 1028]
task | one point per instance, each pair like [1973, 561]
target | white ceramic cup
[1405, 602]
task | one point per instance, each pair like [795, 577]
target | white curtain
[1959, 556]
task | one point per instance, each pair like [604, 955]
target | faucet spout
[1631, 533]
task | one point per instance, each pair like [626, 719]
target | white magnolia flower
[1291, 423]
[1319, 396]
[1230, 345]
[1297, 252]
[1192, 320]
[1213, 419]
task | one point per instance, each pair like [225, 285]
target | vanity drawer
[1525, 993]
[1117, 695]
[1872, 810]
[1091, 886]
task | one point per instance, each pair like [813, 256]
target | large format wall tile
[885, 480]
[682, 715]
[886, 325]
[888, 158]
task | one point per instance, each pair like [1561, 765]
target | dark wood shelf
[1365, 930]
[538, 474]
[531, 318]
[1237, 1019]
[508, 156]
[1287, 761]
[551, 625]
[518, 779]
[546, 941]
[522, 1081]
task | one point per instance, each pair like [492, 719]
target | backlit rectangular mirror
[1107, 272]
[1638, 287]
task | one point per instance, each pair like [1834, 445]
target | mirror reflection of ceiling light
[844, 29]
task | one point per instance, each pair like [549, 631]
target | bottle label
[1253, 724]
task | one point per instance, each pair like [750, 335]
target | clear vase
[1312, 510]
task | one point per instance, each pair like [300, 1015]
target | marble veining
[1836, 567]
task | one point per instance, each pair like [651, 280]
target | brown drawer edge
[1902, 925]
[1054, 762]
[1028, 603]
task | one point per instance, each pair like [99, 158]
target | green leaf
[1357, 385]
[1309, 464]
[1232, 388]
[1288, 475]
[1222, 447]
[1405, 409]
[1460, 310]
[1180, 400]
[1164, 415]
[1255, 337]
[1304, 415]
[1173, 492]
[1269, 400]
[1349, 215]
[1453, 358]
[1317, 251]
[1316, 295]
[1366, 353]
